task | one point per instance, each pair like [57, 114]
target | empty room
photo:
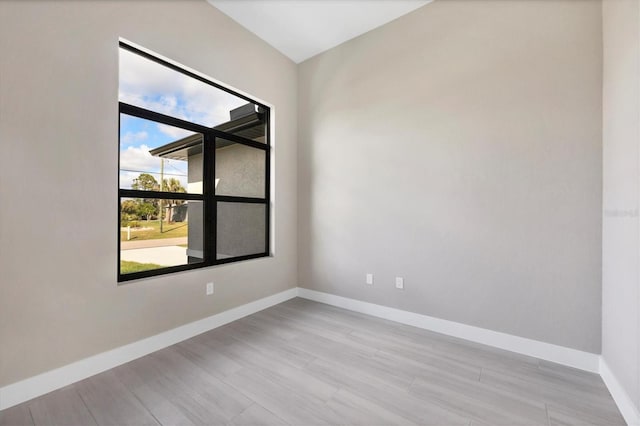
[319, 212]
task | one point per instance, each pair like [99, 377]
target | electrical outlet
[400, 283]
[209, 289]
[369, 279]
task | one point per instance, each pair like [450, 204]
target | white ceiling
[303, 28]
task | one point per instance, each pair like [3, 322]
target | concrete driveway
[165, 256]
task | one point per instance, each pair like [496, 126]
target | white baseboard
[547, 351]
[625, 404]
[559, 354]
[41, 384]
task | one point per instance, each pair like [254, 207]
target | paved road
[164, 242]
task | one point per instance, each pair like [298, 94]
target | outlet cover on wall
[369, 279]
[400, 283]
[209, 289]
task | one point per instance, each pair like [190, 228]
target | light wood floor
[305, 363]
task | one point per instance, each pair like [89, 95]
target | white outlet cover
[209, 289]
[400, 283]
[369, 279]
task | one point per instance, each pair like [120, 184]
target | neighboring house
[240, 171]
[175, 213]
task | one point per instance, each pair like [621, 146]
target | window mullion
[267, 194]
[210, 210]
[267, 189]
[162, 195]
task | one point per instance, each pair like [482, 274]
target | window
[193, 170]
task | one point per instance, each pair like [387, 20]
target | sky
[149, 85]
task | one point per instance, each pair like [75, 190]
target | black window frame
[208, 197]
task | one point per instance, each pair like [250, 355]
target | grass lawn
[127, 267]
[151, 231]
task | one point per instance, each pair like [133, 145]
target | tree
[145, 182]
[149, 208]
[146, 208]
[128, 212]
[172, 185]
[129, 207]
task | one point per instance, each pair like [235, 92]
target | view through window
[193, 170]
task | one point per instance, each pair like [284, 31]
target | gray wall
[241, 227]
[460, 147]
[195, 236]
[621, 138]
[241, 170]
[59, 300]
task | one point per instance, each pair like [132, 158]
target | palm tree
[172, 185]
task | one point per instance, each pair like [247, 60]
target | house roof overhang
[247, 121]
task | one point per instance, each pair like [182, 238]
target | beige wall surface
[621, 139]
[59, 300]
[460, 148]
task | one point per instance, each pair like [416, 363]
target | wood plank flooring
[306, 363]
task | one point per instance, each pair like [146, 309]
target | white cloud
[167, 105]
[126, 179]
[174, 132]
[139, 159]
[133, 137]
[143, 74]
[149, 85]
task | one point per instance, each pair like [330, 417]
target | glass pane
[240, 170]
[241, 229]
[150, 85]
[158, 157]
[158, 233]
